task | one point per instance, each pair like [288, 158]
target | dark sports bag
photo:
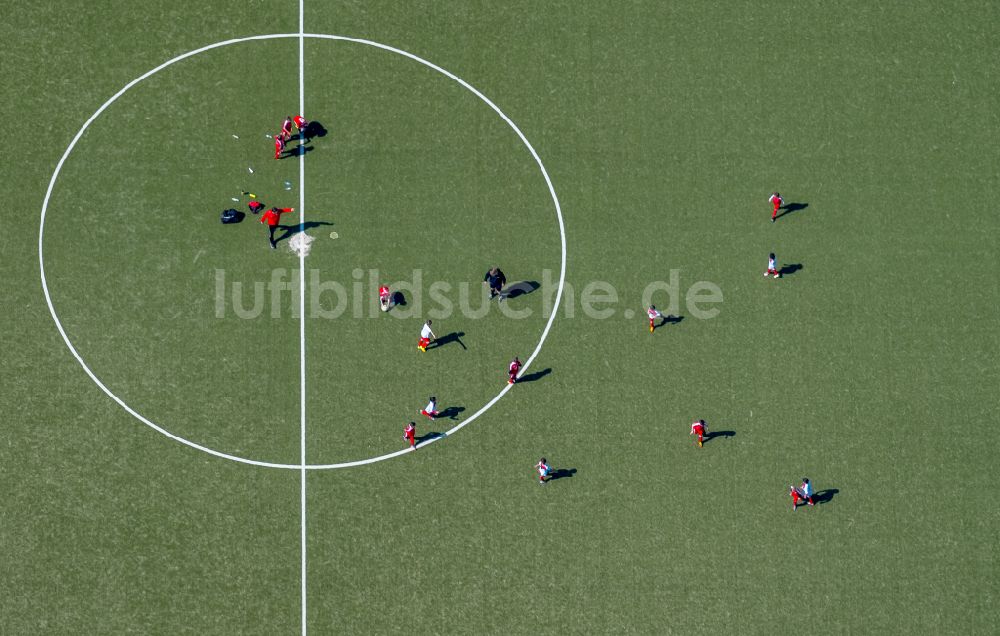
[231, 216]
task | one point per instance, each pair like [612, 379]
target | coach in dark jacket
[496, 280]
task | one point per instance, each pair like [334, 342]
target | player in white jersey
[807, 490]
[431, 409]
[426, 336]
[543, 470]
[653, 314]
[772, 266]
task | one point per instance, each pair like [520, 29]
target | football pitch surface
[203, 435]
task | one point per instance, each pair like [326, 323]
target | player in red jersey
[384, 297]
[410, 434]
[512, 370]
[698, 428]
[777, 202]
[279, 146]
[796, 496]
[653, 314]
[431, 409]
[286, 128]
[543, 470]
[301, 123]
[772, 266]
[272, 217]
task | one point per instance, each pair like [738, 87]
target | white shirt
[772, 263]
[426, 332]
[431, 406]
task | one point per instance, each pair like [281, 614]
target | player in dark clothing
[496, 281]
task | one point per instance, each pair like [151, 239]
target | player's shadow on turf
[561, 473]
[788, 270]
[523, 288]
[451, 412]
[428, 436]
[713, 434]
[791, 207]
[824, 496]
[398, 299]
[292, 230]
[668, 320]
[299, 150]
[313, 129]
[454, 336]
[531, 377]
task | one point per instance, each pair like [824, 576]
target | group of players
[802, 493]
[495, 280]
[300, 124]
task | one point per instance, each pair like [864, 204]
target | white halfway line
[297, 465]
[302, 304]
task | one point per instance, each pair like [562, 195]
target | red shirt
[272, 216]
[697, 429]
[515, 366]
[300, 122]
[286, 126]
[410, 431]
[279, 144]
[383, 291]
[777, 201]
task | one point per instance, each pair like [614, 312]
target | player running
[772, 266]
[426, 336]
[410, 434]
[698, 428]
[431, 409]
[512, 370]
[543, 471]
[777, 202]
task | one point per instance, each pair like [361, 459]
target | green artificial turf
[871, 368]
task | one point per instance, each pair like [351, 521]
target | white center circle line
[301, 465]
